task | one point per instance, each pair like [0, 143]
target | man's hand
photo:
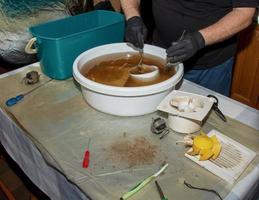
[136, 32]
[185, 48]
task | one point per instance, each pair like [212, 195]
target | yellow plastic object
[206, 147]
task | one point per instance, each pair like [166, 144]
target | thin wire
[205, 189]
[30, 91]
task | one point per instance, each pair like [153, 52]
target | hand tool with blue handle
[14, 100]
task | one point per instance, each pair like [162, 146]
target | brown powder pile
[136, 151]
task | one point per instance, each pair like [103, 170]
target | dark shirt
[172, 17]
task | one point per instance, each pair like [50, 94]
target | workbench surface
[48, 132]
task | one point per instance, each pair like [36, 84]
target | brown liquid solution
[113, 69]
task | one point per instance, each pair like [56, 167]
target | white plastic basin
[123, 101]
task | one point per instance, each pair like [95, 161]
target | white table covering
[56, 186]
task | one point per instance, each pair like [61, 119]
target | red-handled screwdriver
[86, 160]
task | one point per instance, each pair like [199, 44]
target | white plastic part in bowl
[146, 76]
[123, 101]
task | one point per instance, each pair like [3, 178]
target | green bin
[57, 43]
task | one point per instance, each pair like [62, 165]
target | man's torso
[172, 17]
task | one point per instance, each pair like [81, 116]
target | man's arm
[136, 31]
[229, 25]
[130, 8]
[226, 27]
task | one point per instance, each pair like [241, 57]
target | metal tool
[158, 125]
[141, 52]
[139, 66]
[14, 100]
[160, 191]
[164, 133]
[169, 64]
[216, 108]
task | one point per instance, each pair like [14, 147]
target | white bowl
[123, 101]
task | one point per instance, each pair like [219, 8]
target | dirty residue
[133, 151]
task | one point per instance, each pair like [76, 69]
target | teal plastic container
[58, 43]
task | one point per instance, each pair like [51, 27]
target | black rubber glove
[136, 32]
[185, 48]
[104, 5]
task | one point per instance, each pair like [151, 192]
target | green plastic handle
[137, 188]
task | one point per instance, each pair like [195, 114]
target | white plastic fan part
[186, 111]
[183, 125]
[152, 72]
